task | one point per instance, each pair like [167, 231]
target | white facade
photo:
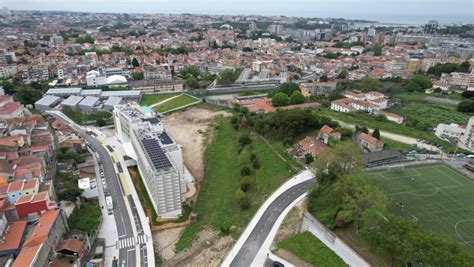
[451, 131]
[467, 139]
[159, 158]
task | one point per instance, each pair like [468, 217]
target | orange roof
[27, 256]
[24, 199]
[40, 197]
[15, 186]
[41, 231]
[370, 139]
[311, 145]
[30, 184]
[11, 140]
[326, 130]
[12, 236]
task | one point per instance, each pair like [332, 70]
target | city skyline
[383, 11]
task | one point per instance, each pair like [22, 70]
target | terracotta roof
[43, 227]
[311, 145]
[12, 236]
[9, 108]
[27, 255]
[11, 140]
[42, 196]
[24, 199]
[15, 186]
[326, 130]
[30, 184]
[4, 188]
[370, 139]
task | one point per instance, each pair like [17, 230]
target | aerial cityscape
[248, 133]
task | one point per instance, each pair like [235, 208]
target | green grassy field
[414, 105]
[148, 100]
[311, 250]
[177, 102]
[216, 205]
[436, 196]
[87, 218]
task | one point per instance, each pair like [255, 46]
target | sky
[395, 11]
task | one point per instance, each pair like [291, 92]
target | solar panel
[156, 154]
[152, 120]
[165, 139]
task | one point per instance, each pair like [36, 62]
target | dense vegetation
[86, 219]
[343, 197]
[99, 118]
[228, 77]
[439, 68]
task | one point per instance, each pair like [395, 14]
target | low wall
[346, 253]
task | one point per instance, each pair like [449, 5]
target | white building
[467, 139]
[159, 158]
[449, 131]
[95, 78]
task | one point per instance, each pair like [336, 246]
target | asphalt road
[249, 250]
[127, 255]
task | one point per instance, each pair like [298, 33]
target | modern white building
[95, 78]
[462, 136]
[467, 139]
[159, 158]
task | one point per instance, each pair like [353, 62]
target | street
[250, 248]
[127, 239]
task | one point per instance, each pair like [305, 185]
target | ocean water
[393, 11]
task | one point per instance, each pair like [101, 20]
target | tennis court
[436, 196]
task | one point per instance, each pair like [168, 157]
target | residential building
[310, 145]
[368, 143]
[326, 133]
[317, 88]
[159, 158]
[7, 71]
[452, 132]
[11, 236]
[467, 139]
[369, 102]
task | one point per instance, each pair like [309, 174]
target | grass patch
[143, 194]
[414, 106]
[436, 196]
[148, 100]
[87, 218]
[216, 205]
[177, 102]
[310, 249]
[391, 144]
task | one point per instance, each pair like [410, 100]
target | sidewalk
[261, 256]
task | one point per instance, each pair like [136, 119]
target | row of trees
[287, 93]
[343, 197]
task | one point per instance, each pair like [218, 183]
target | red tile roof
[12, 236]
[9, 108]
[27, 255]
[43, 227]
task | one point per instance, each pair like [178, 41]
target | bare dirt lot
[188, 129]
[209, 249]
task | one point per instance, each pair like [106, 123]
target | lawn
[415, 106]
[87, 218]
[436, 196]
[216, 205]
[177, 102]
[148, 100]
[311, 250]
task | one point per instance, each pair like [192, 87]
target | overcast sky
[409, 11]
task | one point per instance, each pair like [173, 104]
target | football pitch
[436, 196]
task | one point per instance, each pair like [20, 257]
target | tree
[288, 88]
[376, 133]
[412, 86]
[135, 63]
[27, 96]
[339, 161]
[245, 171]
[244, 140]
[297, 98]
[423, 81]
[308, 158]
[343, 74]
[100, 122]
[247, 49]
[137, 75]
[70, 194]
[280, 99]
[323, 78]
[228, 77]
[8, 87]
[192, 82]
[369, 84]
[465, 94]
[377, 50]
[247, 183]
[466, 106]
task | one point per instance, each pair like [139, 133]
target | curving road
[257, 237]
[127, 255]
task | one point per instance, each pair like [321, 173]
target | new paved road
[127, 256]
[249, 250]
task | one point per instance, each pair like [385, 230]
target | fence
[346, 253]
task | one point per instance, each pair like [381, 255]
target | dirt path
[396, 137]
[164, 101]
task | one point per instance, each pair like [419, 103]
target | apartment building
[159, 158]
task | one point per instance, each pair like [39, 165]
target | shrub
[244, 140]
[247, 184]
[308, 158]
[280, 99]
[256, 164]
[245, 171]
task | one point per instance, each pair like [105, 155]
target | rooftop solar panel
[156, 154]
[165, 139]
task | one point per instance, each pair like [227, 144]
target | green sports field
[436, 196]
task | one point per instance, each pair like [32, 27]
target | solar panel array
[156, 154]
[152, 120]
[165, 139]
